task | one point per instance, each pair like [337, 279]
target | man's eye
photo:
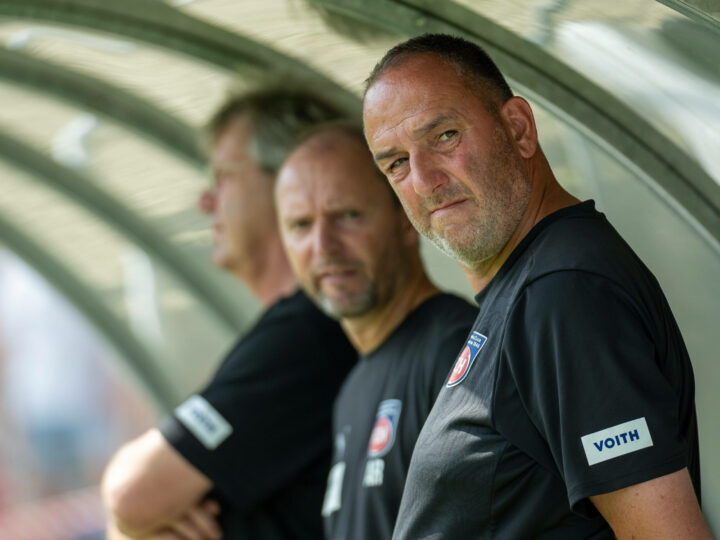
[300, 224]
[447, 135]
[351, 214]
[395, 164]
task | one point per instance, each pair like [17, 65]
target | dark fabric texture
[580, 342]
[380, 411]
[276, 389]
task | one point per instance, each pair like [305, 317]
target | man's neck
[546, 196]
[268, 275]
[369, 331]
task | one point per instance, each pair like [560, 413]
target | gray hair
[278, 116]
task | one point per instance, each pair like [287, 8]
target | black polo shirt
[575, 382]
[379, 413]
[261, 430]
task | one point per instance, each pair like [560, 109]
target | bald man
[356, 255]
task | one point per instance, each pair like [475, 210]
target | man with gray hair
[247, 457]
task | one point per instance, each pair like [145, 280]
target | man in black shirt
[255, 444]
[570, 411]
[357, 256]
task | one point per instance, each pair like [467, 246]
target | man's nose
[326, 238]
[207, 201]
[426, 174]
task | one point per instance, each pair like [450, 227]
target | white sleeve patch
[203, 421]
[616, 441]
[333, 493]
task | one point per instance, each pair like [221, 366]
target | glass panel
[659, 62]
[298, 31]
[141, 175]
[173, 82]
[174, 326]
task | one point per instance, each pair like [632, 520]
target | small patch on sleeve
[333, 492]
[616, 441]
[203, 421]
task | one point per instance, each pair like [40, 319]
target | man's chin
[345, 309]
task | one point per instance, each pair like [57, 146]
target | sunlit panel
[33, 117]
[141, 175]
[161, 313]
[174, 83]
[293, 28]
[659, 62]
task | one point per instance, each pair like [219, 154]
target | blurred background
[110, 309]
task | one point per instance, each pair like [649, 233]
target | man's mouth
[335, 273]
[447, 206]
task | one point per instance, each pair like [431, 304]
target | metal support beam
[86, 92]
[705, 12]
[137, 357]
[674, 175]
[83, 190]
[161, 25]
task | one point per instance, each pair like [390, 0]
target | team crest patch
[467, 357]
[383, 433]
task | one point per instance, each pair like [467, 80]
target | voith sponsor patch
[466, 358]
[616, 441]
[385, 428]
[203, 421]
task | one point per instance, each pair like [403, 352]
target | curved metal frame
[86, 92]
[135, 354]
[159, 24]
[664, 166]
[694, 10]
[82, 189]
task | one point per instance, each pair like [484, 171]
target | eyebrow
[383, 155]
[419, 132]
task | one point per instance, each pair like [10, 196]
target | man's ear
[519, 121]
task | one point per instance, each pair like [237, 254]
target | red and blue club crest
[466, 358]
[383, 433]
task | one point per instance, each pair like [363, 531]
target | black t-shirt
[378, 415]
[261, 430]
[575, 382]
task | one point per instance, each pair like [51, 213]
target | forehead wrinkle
[422, 130]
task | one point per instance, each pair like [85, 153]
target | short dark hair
[470, 61]
[278, 116]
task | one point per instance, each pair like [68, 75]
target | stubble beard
[507, 187]
[355, 306]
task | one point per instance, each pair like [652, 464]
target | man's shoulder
[578, 239]
[443, 311]
[436, 329]
[291, 329]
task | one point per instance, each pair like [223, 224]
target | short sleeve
[271, 401]
[586, 369]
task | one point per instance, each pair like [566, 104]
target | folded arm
[148, 485]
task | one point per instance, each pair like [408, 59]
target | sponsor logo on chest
[383, 433]
[381, 441]
[616, 441]
[466, 359]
